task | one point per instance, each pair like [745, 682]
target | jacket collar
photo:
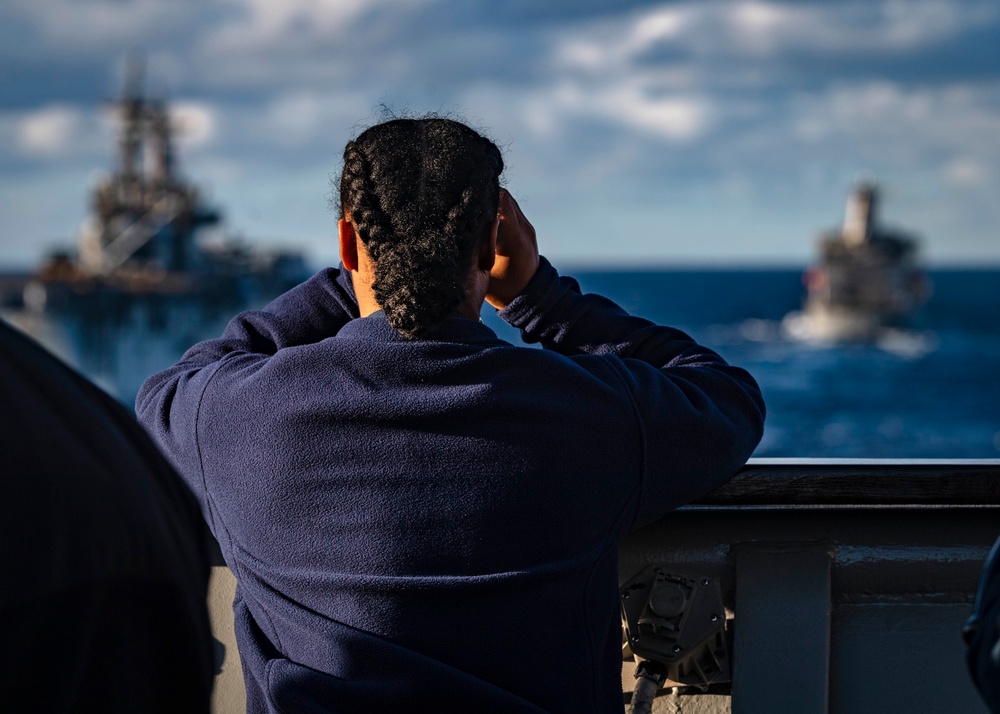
[453, 328]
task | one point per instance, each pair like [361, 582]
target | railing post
[781, 657]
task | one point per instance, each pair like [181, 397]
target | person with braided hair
[421, 217]
[417, 512]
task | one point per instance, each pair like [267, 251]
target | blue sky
[635, 133]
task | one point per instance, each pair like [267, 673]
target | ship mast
[131, 107]
[143, 216]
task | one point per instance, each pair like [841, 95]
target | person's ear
[488, 247]
[348, 244]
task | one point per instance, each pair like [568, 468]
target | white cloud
[633, 104]
[265, 24]
[672, 117]
[549, 113]
[668, 71]
[305, 43]
[758, 29]
[49, 130]
[61, 131]
[220, 143]
[969, 172]
[611, 43]
[195, 123]
[913, 125]
[758, 26]
[52, 132]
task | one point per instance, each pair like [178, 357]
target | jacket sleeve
[309, 312]
[698, 417]
[168, 402]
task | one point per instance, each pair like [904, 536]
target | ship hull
[818, 322]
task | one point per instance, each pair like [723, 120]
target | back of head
[421, 194]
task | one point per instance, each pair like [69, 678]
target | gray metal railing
[846, 583]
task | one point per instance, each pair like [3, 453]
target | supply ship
[143, 283]
[867, 280]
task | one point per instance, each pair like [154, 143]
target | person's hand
[516, 256]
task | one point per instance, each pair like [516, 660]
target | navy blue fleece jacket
[435, 522]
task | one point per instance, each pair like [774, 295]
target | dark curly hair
[421, 194]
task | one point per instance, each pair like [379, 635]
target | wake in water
[801, 327]
[794, 330]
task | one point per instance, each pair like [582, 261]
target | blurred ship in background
[142, 285]
[867, 281]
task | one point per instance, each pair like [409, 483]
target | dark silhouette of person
[103, 559]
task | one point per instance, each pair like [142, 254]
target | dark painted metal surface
[906, 542]
[782, 641]
[821, 482]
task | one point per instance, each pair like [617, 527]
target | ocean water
[932, 391]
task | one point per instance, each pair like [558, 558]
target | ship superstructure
[142, 285]
[143, 215]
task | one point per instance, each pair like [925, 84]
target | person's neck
[466, 310]
[367, 304]
[470, 308]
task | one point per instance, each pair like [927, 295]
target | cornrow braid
[420, 193]
[356, 192]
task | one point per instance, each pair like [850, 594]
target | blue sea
[932, 391]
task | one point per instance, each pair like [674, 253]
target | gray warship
[867, 280]
[143, 284]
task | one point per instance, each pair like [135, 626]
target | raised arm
[309, 312]
[699, 418]
[550, 309]
[167, 403]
